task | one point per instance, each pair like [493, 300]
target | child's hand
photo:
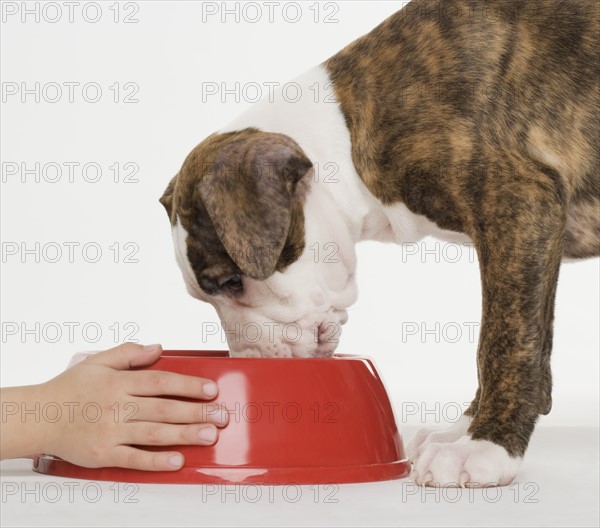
[125, 408]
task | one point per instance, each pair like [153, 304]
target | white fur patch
[425, 436]
[179, 237]
[451, 458]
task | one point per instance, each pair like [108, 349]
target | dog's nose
[343, 315]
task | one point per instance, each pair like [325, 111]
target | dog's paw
[427, 436]
[464, 463]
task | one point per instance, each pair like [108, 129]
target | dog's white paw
[464, 463]
[425, 436]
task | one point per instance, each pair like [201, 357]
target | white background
[169, 54]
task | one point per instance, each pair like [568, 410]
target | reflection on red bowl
[291, 421]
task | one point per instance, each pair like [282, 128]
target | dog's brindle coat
[482, 162]
[485, 122]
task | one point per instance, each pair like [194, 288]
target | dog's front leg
[519, 240]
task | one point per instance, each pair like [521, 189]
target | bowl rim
[236, 475]
[224, 354]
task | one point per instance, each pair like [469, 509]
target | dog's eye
[231, 283]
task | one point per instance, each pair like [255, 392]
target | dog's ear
[248, 193]
[167, 198]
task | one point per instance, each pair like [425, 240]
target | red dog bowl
[291, 421]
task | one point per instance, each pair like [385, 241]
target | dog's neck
[306, 110]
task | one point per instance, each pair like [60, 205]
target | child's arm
[92, 413]
[21, 436]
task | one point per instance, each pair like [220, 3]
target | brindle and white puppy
[459, 119]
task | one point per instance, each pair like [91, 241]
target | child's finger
[163, 410]
[126, 356]
[134, 458]
[161, 383]
[155, 434]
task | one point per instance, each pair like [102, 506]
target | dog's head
[254, 238]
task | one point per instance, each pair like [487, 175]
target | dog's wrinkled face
[250, 239]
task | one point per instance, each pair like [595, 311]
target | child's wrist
[24, 424]
[44, 431]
